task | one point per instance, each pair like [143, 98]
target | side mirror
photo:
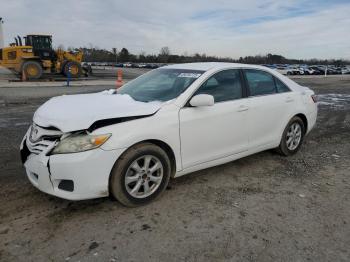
[202, 100]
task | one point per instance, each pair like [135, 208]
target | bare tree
[164, 54]
[124, 55]
[165, 51]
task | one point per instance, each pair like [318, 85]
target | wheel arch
[163, 145]
[166, 147]
[30, 59]
[304, 119]
[302, 116]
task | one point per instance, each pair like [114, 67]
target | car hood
[77, 112]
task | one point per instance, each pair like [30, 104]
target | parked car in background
[140, 65]
[317, 70]
[166, 123]
[307, 70]
[284, 70]
[295, 70]
[151, 66]
[338, 70]
[345, 70]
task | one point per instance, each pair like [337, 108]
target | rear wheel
[32, 69]
[140, 175]
[74, 67]
[292, 137]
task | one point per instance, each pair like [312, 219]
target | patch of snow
[337, 101]
[109, 92]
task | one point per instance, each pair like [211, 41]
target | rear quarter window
[281, 87]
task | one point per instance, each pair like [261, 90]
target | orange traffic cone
[24, 77]
[119, 81]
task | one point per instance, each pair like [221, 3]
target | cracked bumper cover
[89, 171]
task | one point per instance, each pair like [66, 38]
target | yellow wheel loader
[36, 56]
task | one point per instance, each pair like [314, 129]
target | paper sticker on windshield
[189, 75]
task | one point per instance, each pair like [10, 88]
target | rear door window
[260, 82]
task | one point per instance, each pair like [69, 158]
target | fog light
[66, 185]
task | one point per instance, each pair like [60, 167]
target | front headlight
[80, 143]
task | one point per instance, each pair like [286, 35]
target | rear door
[213, 132]
[270, 104]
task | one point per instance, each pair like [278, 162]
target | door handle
[242, 108]
[289, 99]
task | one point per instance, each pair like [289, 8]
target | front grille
[40, 138]
[37, 148]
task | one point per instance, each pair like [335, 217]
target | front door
[213, 132]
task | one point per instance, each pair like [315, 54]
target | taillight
[314, 98]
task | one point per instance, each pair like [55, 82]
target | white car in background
[308, 71]
[290, 70]
[345, 70]
[166, 123]
[284, 70]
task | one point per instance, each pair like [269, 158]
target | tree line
[94, 54]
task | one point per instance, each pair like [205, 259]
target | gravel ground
[261, 208]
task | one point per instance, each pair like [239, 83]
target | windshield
[160, 85]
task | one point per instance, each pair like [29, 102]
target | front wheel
[292, 137]
[140, 175]
[73, 69]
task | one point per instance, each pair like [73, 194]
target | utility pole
[2, 42]
[115, 52]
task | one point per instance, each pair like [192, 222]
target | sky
[226, 28]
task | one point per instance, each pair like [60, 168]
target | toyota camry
[164, 124]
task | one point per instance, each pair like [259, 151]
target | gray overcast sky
[293, 28]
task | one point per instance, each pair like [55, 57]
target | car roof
[206, 66]
[38, 35]
[213, 66]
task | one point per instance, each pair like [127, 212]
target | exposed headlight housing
[79, 143]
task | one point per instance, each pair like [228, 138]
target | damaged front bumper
[75, 176]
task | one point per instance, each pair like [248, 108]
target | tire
[32, 70]
[63, 65]
[126, 175]
[296, 138]
[75, 67]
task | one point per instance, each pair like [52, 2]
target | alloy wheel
[293, 136]
[144, 176]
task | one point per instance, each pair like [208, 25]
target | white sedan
[166, 123]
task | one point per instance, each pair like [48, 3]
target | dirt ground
[261, 208]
